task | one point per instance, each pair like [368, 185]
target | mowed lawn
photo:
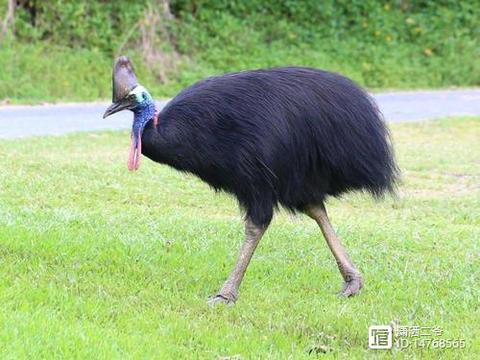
[97, 262]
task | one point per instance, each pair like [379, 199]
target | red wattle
[135, 152]
[139, 152]
[131, 155]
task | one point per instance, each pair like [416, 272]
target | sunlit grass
[97, 262]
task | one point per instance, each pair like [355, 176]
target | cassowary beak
[116, 107]
[123, 81]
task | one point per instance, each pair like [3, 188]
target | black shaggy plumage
[290, 136]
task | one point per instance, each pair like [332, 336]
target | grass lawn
[97, 262]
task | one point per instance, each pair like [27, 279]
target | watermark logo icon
[386, 337]
[380, 337]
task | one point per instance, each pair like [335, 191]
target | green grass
[42, 72]
[96, 262]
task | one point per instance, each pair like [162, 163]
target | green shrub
[64, 48]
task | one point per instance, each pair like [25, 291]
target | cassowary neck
[143, 113]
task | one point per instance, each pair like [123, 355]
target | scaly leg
[352, 277]
[229, 292]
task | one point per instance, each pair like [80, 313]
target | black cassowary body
[287, 136]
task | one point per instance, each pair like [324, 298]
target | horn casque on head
[123, 78]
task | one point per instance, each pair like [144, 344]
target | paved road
[23, 121]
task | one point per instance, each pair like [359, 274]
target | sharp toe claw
[352, 287]
[220, 299]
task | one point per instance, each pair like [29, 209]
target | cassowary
[288, 136]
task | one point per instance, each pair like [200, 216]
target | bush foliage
[62, 49]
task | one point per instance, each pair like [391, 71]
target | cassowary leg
[352, 277]
[229, 292]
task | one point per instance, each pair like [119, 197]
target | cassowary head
[127, 93]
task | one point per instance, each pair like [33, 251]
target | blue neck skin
[143, 113]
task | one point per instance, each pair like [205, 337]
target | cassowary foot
[227, 299]
[352, 286]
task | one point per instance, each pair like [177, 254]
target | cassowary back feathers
[290, 136]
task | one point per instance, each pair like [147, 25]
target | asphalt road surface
[24, 121]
